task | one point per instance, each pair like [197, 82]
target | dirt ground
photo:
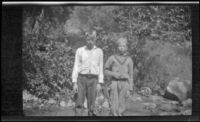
[135, 106]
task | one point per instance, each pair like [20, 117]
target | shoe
[91, 113]
[111, 114]
[78, 111]
[123, 114]
[119, 114]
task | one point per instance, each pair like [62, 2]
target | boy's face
[122, 47]
[90, 41]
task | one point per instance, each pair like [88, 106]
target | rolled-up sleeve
[101, 75]
[76, 66]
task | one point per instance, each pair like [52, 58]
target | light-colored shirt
[88, 62]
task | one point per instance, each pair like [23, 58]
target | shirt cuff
[74, 80]
[100, 80]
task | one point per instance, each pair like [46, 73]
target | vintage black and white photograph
[107, 60]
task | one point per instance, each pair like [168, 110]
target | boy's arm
[101, 77]
[130, 73]
[108, 66]
[76, 68]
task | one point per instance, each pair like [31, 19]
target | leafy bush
[159, 43]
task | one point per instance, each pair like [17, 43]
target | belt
[119, 79]
[88, 75]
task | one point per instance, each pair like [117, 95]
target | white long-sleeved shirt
[88, 62]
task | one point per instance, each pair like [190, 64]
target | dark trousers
[86, 88]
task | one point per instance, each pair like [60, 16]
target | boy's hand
[131, 86]
[98, 87]
[75, 87]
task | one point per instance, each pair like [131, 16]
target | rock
[180, 88]
[146, 91]
[187, 112]
[156, 98]
[136, 99]
[187, 103]
[149, 105]
[168, 107]
[166, 101]
[63, 104]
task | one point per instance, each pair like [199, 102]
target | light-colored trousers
[118, 94]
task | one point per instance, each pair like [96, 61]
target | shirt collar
[94, 47]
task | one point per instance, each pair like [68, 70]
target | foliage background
[160, 44]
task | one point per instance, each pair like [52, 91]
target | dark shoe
[78, 111]
[111, 114]
[91, 113]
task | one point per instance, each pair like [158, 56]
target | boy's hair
[91, 33]
[122, 40]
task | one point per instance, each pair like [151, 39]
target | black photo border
[11, 69]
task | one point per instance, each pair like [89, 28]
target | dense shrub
[159, 43]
